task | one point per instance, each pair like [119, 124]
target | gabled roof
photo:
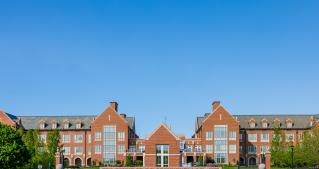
[32, 122]
[167, 128]
[299, 121]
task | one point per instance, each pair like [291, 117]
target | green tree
[200, 161]
[310, 147]
[37, 150]
[13, 153]
[53, 141]
[278, 153]
[129, 161]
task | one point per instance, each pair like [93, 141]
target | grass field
[225, 167]
[242, 167]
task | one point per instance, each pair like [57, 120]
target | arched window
[252, 161]
[89, 162]
[78, 162]
[66, 162]
[241, 161]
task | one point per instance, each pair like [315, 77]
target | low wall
[160, 167]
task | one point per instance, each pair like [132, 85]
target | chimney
[123, 115]
[215, 104]
[114, 105]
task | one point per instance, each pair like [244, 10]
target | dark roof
[32, 122]
[13, 117]
[299, 121]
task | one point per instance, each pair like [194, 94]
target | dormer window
[277, 123]
[66, 124]
[78, 125]
[264, 123]
[54, 125]
[252, 123]
[42, 124]
[289, 123]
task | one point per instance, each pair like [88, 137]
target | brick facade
[219, 136]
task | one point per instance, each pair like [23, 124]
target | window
[188, 148]
[89, 138]
[78, 125]
[232, 135]
[78, 150]
[252, 137]
[220, 144]
[209, 148]
[264, 149]
[97, 136]
[162, 155]
[181, 145]
[221, 158]
[120, 136]
[42, 125]
[264, 124]
[66, 138]
[131, 148]
[66, 150]
[252, 124]
[97, 149]
[141, 148]
[252, 149]
[54, 125]
[232, 148]
[66, 125]
[78, 138]
[109, 150]
[241, 137]
[89, 150]
[289, 137]
[220, 132]
[198, 148]
[209, 135]
[121, 149]
[43, 138]
[289, 124]
[241, 150]
[264, 137]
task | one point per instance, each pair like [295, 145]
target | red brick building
[219, 136]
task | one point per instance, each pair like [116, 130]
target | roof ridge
[273, 115]
[61, 116]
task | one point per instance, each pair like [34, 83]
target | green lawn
[243, 167]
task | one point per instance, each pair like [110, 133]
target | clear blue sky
[159, 58]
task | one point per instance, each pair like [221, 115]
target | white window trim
[232, 152]
[66, 141]
[97, 139]
[77, 152]
[98, 152]
[78, 141]
[67, 153]
[209, 138]
[234, 137]
[252, 152]
[252, 140]
[262, 140]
